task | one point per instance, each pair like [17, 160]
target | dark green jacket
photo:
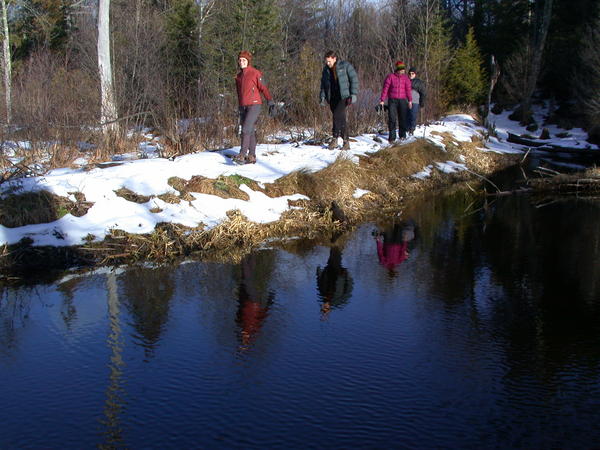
[347, 78]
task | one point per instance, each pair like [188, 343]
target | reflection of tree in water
[448, 230]
[68, 311]
[254, 296]
[334, 282]
[546, 262]
[114, 403]
[15, 306]
[147, 293]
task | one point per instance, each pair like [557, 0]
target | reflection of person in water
[253, 295]
[333, 282]
[392, 245]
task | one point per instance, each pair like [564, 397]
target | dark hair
[330, 54]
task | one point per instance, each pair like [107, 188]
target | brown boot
[250, 159]
[240, 158]
[332, 144]
[346, 145]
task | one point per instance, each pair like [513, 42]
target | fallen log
[524, 141]
[538, 146]
[541, 145]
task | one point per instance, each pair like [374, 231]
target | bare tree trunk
[495, 73]
[205, 10]
[7, 63]
[541, 21]
[108, 108]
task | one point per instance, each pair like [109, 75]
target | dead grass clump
[481, 162]
[230, 240]
[336, 182]
[223, 186]
[169, 198]
[39, 207]
[239, 236]
[168, 241]
[131, 196]
[388, 172]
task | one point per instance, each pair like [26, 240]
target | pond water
[457, 324]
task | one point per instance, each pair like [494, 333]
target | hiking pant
[248, 119]
[412, 117]
[397, 109]
[338, 109]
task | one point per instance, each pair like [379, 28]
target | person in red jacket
[250, 84]
[398, 93]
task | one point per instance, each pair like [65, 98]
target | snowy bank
[150, 177]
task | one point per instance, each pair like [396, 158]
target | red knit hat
[400, 65]
[246, 54]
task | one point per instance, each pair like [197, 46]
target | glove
[348, 101]
[272, 111]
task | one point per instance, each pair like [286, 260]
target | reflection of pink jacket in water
[390, 255]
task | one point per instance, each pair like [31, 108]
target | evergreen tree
[253, 25]
[569, 30]
[42, 24]
[587, 80]
[465, 82]
[181, 52]
[302, 99]
[432, 52]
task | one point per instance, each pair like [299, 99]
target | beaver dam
[350, 190]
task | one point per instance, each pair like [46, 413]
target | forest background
[176, 59]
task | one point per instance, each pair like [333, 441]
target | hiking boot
[332, 144]
[346, 145]
[250, 159]
[239, 158]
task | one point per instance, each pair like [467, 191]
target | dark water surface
[476, 326]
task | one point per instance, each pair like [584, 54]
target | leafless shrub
[516, 72]
[53, 101]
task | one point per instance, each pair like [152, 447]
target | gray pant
[248, 119]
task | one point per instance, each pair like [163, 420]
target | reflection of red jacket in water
[391, 254]
[251, 316]
[253, 296]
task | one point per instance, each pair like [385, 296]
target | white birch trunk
[6, 63]
[108, 108]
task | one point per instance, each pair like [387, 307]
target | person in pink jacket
[397, 91]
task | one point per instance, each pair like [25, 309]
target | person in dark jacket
[397, 91]
[334, 282]
[250, 84]
[339, 88]
[418, 99]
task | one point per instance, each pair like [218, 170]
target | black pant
[397, 107]
[338, 109]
